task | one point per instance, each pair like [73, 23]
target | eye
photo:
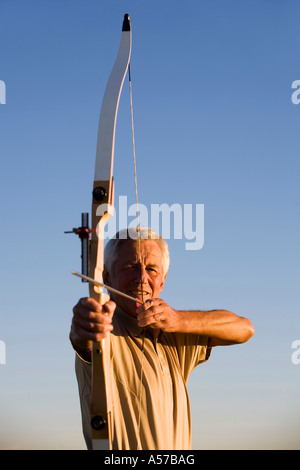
[129, 267]
[152, 269]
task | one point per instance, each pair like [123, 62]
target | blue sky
[214, 125]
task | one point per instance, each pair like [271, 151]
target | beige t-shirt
[149, 374]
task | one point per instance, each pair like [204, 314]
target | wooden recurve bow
[93, 240]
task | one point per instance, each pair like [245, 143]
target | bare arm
[222, 327]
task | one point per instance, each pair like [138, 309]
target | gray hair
[144, 233]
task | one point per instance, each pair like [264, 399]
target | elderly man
[154, 347]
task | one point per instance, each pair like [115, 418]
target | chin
[128, 307]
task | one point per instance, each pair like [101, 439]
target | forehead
[132, 251]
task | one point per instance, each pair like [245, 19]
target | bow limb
[103, 200]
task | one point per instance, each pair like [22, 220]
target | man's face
[138, 272]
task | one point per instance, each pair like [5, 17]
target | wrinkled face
[138, 272]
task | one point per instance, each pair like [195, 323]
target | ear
[163, 283]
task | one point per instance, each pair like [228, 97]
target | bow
[103, 193]
[92, 246]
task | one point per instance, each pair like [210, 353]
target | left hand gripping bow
[103, 199]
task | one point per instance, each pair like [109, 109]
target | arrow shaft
[100, 284]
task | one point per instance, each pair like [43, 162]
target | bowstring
[139, 248]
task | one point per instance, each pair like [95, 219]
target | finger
[90, 319]
[89, 303]
[90, 325]
[94, 322]
[88, 307]
[158, 317]
[153, 309]
[147, 308]
[153, 319]
[142, 307]
[109, 308]
[82, 334]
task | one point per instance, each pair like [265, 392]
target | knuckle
[100, 336]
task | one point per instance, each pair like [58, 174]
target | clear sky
[214, 125]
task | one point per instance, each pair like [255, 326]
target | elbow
[248, 330]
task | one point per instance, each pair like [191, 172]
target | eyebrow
[137, 262]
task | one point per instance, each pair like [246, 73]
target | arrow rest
[84, 234]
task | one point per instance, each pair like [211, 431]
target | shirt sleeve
[84, 378]
[192, 350]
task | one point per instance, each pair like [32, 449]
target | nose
[143, 275]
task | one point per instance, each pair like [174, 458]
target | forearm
[222, 327]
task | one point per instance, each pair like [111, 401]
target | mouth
[139, 294]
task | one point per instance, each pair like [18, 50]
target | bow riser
[101, 405]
